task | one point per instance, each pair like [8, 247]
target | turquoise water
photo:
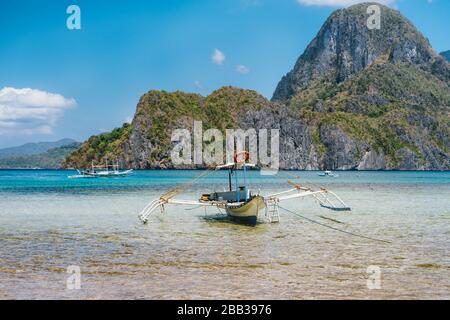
[49, 222]
[57, 180]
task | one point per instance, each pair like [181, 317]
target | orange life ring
[246, 156]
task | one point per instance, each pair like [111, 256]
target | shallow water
[49, 222]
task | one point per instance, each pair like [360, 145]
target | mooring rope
[180, 188]
[308, 184]
[336, 229]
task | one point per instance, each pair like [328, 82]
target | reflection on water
[48, 222]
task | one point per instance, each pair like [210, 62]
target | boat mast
[237, 185]
[245, 181]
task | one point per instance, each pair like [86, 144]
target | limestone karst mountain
[357, 98]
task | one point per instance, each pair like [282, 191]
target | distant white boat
[327, 173]
[106, 171]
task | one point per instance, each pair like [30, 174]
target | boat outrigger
[98, 171]
[239, 202]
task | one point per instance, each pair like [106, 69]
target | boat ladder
[272, 212]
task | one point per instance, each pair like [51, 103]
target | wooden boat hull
[246, 213]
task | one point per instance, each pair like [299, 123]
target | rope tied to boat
[333, 228]
[179, 189]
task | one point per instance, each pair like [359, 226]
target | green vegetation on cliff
[96, 149]
[389, 106]
[147, 142]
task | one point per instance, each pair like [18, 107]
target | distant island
[42, 155]
[357, 98]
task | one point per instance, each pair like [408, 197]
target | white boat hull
[102, 174]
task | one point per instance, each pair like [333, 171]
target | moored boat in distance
[102, 171]
[327, 173]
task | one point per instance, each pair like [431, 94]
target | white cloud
[339, 3]
[198, 84]
[242, 69]
[218, 57]
[30, 111]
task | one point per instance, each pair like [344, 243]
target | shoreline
[202, 169]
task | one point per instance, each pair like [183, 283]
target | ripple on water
[183, 255]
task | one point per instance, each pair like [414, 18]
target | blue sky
[92, 78]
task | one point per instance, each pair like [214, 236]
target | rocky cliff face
[345, 46]
[159, 113]
[146, 142]
[376, 99]
[356, 99]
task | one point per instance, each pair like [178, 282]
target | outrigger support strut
[149, 208]
[161, 202]
[322, 196]
[326, 202]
